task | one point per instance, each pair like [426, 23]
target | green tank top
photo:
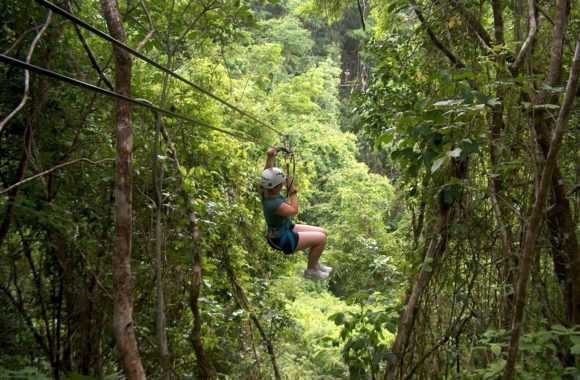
[277, 224]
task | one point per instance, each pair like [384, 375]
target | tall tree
[123, 323]
[536, 217]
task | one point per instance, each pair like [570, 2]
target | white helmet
[272, 177]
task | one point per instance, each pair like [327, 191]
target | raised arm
[271, 156]
[291, 208]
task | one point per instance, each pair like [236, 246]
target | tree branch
[545, 14]
[206, 8]
[152, 29]
[26, 94]
[21, 38]
[448, 335]
[59, 166]
[27, 319]
[454, 60]
[529, 42]
[554, 75]
[362, 16]
[528, 251]
[474, 25]
[89, 52]
[498, 22]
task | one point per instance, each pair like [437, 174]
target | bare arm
[270, 160]
[291, 208]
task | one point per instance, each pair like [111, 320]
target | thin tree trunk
[535, 220]
[518, 8]
[419, 220]
[13, 194]
[507, 265]
[123, 324]
[565, 250]
[242, 301]
[206, 368]
[436, 248]
[528, 45]
[161, 320]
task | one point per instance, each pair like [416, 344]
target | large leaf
[438, 163]
[449, 103]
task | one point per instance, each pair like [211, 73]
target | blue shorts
[287, 242]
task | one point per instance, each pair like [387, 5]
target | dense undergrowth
[418, 146]
[275, 61]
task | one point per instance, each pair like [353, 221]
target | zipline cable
[143, 57]
[143, 103]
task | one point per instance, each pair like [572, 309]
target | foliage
[272, 60]
[367, 336]
[540, 350]
[457, 129]
[22, 374]
[310, 353]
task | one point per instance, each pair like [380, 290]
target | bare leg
[307, 228]
[316, 241]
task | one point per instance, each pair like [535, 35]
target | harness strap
[273, 245]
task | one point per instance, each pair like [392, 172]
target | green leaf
[454, 153]
[338, 318]
[553, 89]
[406, 153]
[575, 349]
[546, 107]
[449, 194]
[469, 146]
[448, 103]
[76, 376]
[386, 138]
[561, 330]
[575, 339]
[437, 164]
[397, 6]
[435, 116]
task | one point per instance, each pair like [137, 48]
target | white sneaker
[324, 268]
[315, 274]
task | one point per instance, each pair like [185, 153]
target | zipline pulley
[289, 160]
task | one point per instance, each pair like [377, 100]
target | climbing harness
[286, 240]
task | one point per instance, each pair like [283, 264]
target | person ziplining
[283, 235]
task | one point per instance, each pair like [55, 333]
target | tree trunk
[206, 368]
[243, 303]
[502, 213]
[436, 248]
[518, 9]
[13, 194]
[560, 221]
[161, 323]
[535, 220]
[123, 325]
